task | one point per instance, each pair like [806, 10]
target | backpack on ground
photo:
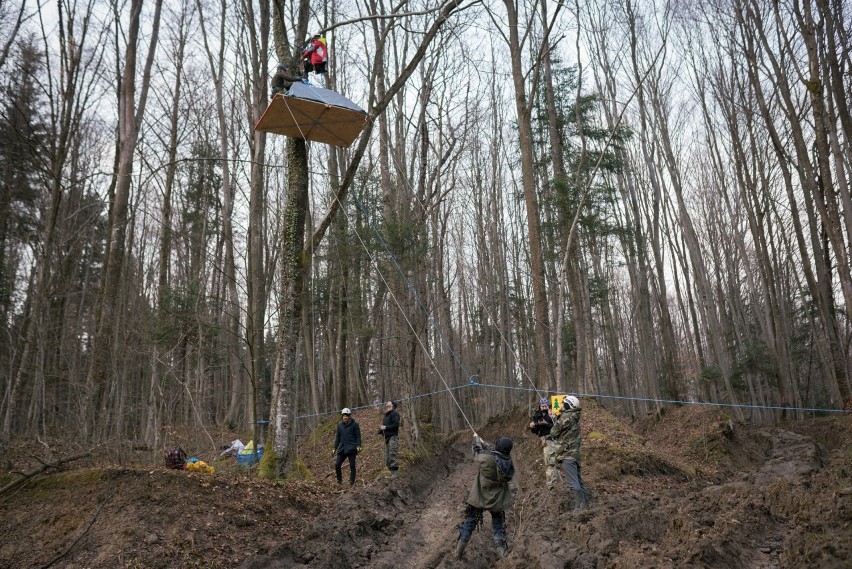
[175, 458]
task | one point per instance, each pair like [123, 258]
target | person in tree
[566, 437]
[540, 425]
[307, 50]
[315, 55]
[390, 430]
[282, 81]
[347, 445]
[490, 491]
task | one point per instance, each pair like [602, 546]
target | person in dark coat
[347, 445]
[490, 491]
[390, 430]
[540, 425]
[282, 81]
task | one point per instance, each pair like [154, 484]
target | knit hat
[543, 401]
[504, 445]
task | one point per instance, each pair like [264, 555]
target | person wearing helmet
[347, 445]
[490, 491]
[566, 438]
[390, 430]
[315, 55]
[540, 425]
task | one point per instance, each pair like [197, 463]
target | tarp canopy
[313, 113]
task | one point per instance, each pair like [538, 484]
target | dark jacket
[348, 437]
[490, 490]
[391, 424]
[543, 423]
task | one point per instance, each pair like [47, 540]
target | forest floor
[687, 489]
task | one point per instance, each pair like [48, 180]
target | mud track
[763, 515]
[687, 489]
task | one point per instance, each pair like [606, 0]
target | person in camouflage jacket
[490, 491]
[566, 438]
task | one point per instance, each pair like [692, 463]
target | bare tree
[130, 117]
[293, 262]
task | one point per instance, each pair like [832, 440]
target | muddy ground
[688, 489]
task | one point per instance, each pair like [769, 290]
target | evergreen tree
[22, 136]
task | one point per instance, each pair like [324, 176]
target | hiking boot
[460, 545]
[394, 473]
[502, 550]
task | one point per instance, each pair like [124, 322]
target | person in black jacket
[540, 425]
[542, 419]
[347, 444]
[390, 429]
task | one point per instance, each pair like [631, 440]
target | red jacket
[318, 51]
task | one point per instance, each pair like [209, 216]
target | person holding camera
[540, 425]
[390, 430]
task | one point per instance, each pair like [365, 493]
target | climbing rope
[413, 290]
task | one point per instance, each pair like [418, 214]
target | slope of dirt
[690, 489]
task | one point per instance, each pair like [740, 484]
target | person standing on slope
[347, 445]
[540, 425]
[566, 436]
[390, 430]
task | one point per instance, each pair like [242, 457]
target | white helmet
[570, 402]
[346, 411]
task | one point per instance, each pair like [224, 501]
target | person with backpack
[566, 436]
[390, 430]
[347, 445]
[490, 491]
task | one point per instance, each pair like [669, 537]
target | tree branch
[384, 17]
[45, 465]
[377, 110]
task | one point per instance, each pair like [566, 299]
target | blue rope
[683, 401]
[411, 398]
[473, 383]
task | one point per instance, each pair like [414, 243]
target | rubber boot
[460, 545]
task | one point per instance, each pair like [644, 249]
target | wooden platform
[318, 118]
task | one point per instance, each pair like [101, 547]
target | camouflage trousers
[551, 466]
[391, 452]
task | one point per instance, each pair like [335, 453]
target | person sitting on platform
[282, 81]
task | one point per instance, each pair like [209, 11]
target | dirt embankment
[689, 490]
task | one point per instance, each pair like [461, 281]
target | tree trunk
[525, 140]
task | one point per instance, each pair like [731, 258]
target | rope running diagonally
[448, 389]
